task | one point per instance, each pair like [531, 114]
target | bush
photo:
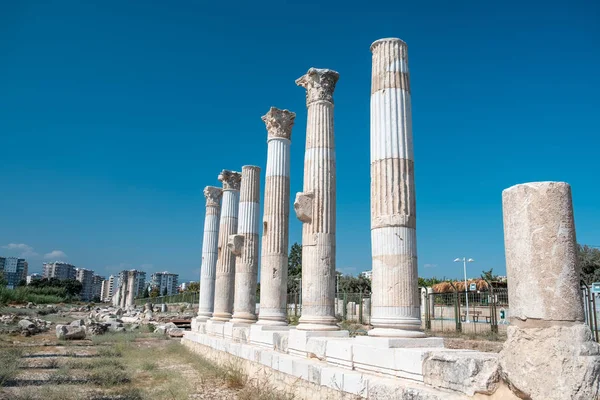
[45, 295]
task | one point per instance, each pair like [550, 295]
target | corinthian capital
[213, 195]
[279, 123]
[231, 179]
[319, 84]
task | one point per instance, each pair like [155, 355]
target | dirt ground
[127, 366]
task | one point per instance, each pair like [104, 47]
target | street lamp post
[465, 260]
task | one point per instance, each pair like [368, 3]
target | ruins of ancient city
[549, 352]
[402, 340]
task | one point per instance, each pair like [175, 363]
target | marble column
[276, 219]
[123, 290]
[210, 245]
[244, 245]
[550, 352]
[315, 206]
[541, 254]
[395, 290]
[225, 271]
[130, 288]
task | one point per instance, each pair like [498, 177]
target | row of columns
[229, 263]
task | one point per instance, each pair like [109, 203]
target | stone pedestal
[395, 293]
[210, 246]
[298, 339]
[315, 206]
[274, 256]
[225, 271]
[244, 245]
[549, 353]
[236, 331]
[268, 336]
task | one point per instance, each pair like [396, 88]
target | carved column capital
[231, 179]
[279, 123]
[213, 195]
[319, 84]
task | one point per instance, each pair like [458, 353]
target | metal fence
[590, 309]
[476, 312]
[353, 307]
[184, 297]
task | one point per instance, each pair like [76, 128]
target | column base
[272, 318]
[316, 323]
[221, 317]
[203, 317]
[243, 318]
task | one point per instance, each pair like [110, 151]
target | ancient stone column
[549, 353]
[130, 288]
[244, 245]
[225, 271]
[315, 206]
[276, 219]
[210, 246]
[395, 290]
[123, 291]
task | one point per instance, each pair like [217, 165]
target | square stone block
[286, 364]
[264, 335]
[215, 328]
[236, 331]
[339, 352]
[300, 368]
[297, 340]
[332, 378]
[355, 383]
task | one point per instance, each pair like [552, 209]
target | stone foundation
[336, 367]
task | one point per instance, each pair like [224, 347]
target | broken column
[549, 353]
[130, 288]
[210, 245]
[315, 206]
[123, 292]
[244, 245]
[225, 271]
[395, 291]
[276, 217]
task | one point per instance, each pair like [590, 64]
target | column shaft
[130, 288]
[244, 245]
[315, 207]
[275, 240]
[225, 271]
[210, 246]
[395, 293]
[541, 254]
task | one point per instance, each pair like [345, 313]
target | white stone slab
[395, 343]
[215, 328]
[297, 339]
[264, 335]
[339, 352]
[236, 331]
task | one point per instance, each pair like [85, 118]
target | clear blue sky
[115, 115]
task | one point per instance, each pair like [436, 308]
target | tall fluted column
[276, 219]
[123, 290]
[130, 288]
[244, 245]
[210, 246]
[395, 289]
[315, 206]
[225, 272]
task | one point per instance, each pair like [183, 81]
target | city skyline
[116, 131]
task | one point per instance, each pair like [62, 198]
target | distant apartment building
[165, 280]
[140, 281]
[33, 277]
[367, 274]
[86, 277]
[108, 288]
[14, 270]
[97, 286]
[60, 270]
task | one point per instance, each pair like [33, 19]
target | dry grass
[10, 360]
